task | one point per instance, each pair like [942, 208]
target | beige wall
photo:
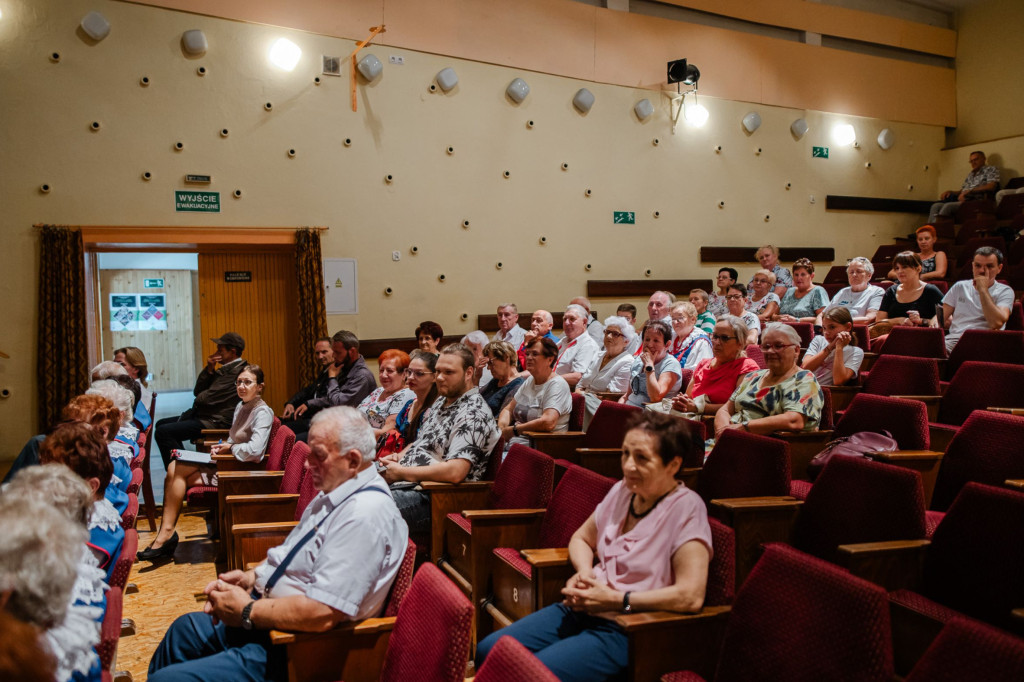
[403, 129]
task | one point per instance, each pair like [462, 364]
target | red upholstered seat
[295, 467]
[131, 512]
[136, 482]
[919, 342]
[579, 405]
[282, 439]
[978, 385]
[754, 353]
[523, 481]
[902, 375]
[969, 651]
[932, 519]
[513, 558]
[124, 561]
[906, 420]
[988, 345]
[461, 521]
[307, 491]
[510, 660]
[432, 632]
[805, 330]
[986, 449]
[403, 581]
[923, 605]
[608, 427]
[744, 464]
[110, 628]
[721, 585]
[572, 502]
[799, 489]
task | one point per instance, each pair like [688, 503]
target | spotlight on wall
[370, 67]
[447, 78]
[194, 42]
[679, 71]
[643, 109]
[583, 100]
[95, 25]
[517, 90]
[885, 139]
[798, 128]
[843, 134]
[752, 121]
[285, 54]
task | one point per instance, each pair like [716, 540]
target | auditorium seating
[607, 429]
[510, 660]
[988, 345]
[969, 651]
[743, 464]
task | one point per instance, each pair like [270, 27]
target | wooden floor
[166, 591]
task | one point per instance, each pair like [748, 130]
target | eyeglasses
[733, 297]
[614, 334]
[775, 347]
[418, 373]
[724, 338]
[760, 280]
[533, 354]
[680, 320]
[245, 382]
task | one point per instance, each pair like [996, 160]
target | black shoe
[166, 551]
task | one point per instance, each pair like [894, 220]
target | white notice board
[340, 288]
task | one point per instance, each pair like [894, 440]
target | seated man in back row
[983, 179]
[354, 541]
[455, 440]
[324, 352]
[981, 303]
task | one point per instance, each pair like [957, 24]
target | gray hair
[39, 554]
[477, 338]
[739, 329]
[583, 301]
[114, 392]
[107, 369]
[350, 429]
[622, 324]
[783, 329]
[54, 484]
[579, 310]
[667, 294]
[688, 309]
[513, 306]
[861, 260]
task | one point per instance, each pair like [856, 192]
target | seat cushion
[799, 489]
[931, 522]
[202, 495]
[462, 522]
[513, 558]
[923, 605]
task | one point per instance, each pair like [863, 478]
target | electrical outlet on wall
[811, 199]
[397, 59]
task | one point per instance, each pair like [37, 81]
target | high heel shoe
[165, 551]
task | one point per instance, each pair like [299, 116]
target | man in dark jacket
[216, 398]
[324, 353]
[349, 380]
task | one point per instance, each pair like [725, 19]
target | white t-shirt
[576, 355]
[967, 314]
[853, 356]
[752, 321]
[859, 303]
[532, 400]
[613, 377]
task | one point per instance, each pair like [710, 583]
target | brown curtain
[63, 364]
[309, 273]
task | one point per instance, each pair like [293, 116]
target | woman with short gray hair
[861, 298]
[610, 370]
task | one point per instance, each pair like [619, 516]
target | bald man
[541, 323]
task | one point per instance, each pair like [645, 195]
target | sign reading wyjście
[196, 202]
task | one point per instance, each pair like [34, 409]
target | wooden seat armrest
[437, 486]
[1017, 411]
[244, 475]
[274, 498]
[634, 622]
[552, 435]
[542, 558]
[896, 456]
[803, 436]
[370, 625]
[609, 395]
[215, 432]
[484, 515]
[249, 528]
[247, 484]
[1018, 615]
[894, 565]
[599, 451]
[745, 503]
[1014, 483]
[656, 641]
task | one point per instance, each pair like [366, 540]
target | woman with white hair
[861, 298]
[782, 397]
[610, 370]
[690, 345]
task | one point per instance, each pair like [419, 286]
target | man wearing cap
[216, 398]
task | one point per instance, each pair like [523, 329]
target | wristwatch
[649, 369]
[515, 429]
[626, 606]
[246, 615]
[745, 425]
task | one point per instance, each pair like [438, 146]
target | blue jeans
[574, 646]
[195, 649]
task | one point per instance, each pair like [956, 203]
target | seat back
[579, 405]
[986, 449]
[721, 585]
[494, 460]
[403, 581]
[902, 375]
[523, 481]
[989, 345]
[124, 561]
[755, 353]
[608, 427]
[978, 385]
[110, 629]
[837, 273]
[295, 467]
[906, 420]
[805, 330]
[886, 252]
[131, 512]
[969, 651]
[745, 464]
[307, 491]
[856, 500]
[918, 342]
[825, 421]
[510, 660]
[694, 428]
[281, 442]
[432, 632]
[976, 558]
[573, 501]
[1015, 322]
[800, 618]
[863, 337]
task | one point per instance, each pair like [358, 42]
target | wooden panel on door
[262, 310]
[169, 352]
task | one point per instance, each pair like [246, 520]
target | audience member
[349, 380]
[577, 350]
[508, 325]
[782, 397]
[428, 336]
[299, 423]
[247, 442]
[657, 564]
[768, 257]
[501, 361]
[805, 300]
[609, 372]
[215, 398]
[454, 443]
[594, 328]
[544, 401]
[737, 301]
[933, 263]
[714, 379]
[659, 306]
[705, 320]
[726, 278]
[761, 297]
[861, 298]
[356, 543]
[419, 378]
[23, 656]
[134, 362]
[909, 303]
[627, 311]
[834, 356]
[94, 408]
[475, 342]
[982, 180]
[381, 407]
[106, 370]
[656, 374]
[541, 323]
[690, 345]
[981, 303]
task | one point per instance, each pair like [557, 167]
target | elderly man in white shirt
[576, 352]
[337, 564]
[594, 328]
[979, 303]
[508, 325]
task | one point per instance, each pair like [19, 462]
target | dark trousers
[414, 506]
[172, 432]
[299, 426]
[195, 649]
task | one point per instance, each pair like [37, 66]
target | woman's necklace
[632, 502]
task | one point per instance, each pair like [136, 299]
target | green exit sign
[196, 202]
[819, 152]
[624, 218]
[157, 283]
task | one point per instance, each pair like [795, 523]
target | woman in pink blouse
[652, 542]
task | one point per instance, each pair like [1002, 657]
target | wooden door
[263, 310]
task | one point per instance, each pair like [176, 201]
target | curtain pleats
[312, 306]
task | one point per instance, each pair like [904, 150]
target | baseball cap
[230, 339]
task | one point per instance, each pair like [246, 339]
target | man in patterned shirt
[454, 444]
[981, 179]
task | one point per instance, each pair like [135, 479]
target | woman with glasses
[656, 374]
[861, 298]
[805, 301]
[737, 301]
[505, 380]
[690, 345]
[419, 377]
[768, 257]
[609, 373]
[381, 407]
[782, 397]
[726, 278]
[714, 379]
[247, 442]
[761, 297]
[543, 402]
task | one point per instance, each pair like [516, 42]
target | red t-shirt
[719, 383]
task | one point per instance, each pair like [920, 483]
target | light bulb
[285, 54]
